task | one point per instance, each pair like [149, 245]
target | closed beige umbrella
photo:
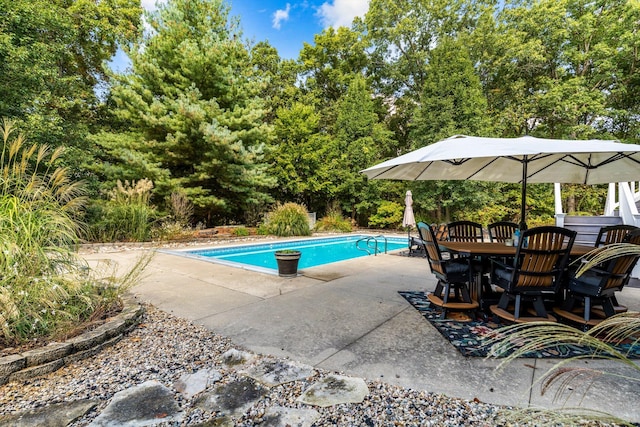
[408, 220]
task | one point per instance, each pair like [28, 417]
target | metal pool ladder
[371, 244]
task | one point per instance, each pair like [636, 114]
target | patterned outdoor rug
[470, 337]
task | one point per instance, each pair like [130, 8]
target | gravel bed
[164, 347]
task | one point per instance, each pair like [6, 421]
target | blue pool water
[315, 252]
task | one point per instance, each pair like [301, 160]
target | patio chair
[591, 297]
[501, 231]
[613, 234]
[465, 231]
[452, 289]
[536, 272]
[441, 232]
[416, 246]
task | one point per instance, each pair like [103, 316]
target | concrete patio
[349, 317]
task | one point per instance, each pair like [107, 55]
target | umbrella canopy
[408, 220]
[525, 159]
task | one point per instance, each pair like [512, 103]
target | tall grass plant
[46, 290]
[126, 216]
[289, 219]
[334, 221]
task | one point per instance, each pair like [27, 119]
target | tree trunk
[571, 204]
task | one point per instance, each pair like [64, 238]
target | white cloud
[281, 15]
[341, 12]
[150, 5]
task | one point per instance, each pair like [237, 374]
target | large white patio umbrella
[524, 160]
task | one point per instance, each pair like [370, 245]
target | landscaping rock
[235, 357]
[335, 389]
[191, 384]
[48, 353]
[280, 416]
[232, 398]
[275, 372]
[146, 404]
[12, 363]
[56, 415]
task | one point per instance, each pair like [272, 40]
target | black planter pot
[287, 263]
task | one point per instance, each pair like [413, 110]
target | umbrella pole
[523, 205]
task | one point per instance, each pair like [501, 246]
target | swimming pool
[315, 252]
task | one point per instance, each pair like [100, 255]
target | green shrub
[389, 215]
[46, 289]
[262, 230]
[240, 231]
[290, 219]
[334, 221]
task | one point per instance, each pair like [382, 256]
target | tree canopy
[234, 127]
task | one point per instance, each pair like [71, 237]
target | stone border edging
[50, 358]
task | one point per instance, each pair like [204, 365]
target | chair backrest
[613, 234]
[542, 258]
[432, 249]
[465, 231]
[440, 231]
[618, 270]
[501, 231]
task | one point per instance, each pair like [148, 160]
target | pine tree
[192, 95]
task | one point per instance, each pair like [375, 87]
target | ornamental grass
[46, 290]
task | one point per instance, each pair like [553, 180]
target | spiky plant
[605, 253]
[517, 340]
[289, 219]
[45, 288]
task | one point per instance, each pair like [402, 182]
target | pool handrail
[368, 240]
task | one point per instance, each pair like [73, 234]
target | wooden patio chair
[452, 289]
[440, 230]
[613, 234]
[536, 272]
[591, 297]
[501, 231]
[465, 231]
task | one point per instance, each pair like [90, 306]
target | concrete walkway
[349, 317]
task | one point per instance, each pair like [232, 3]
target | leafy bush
[240, 231]
[389, 215]
[46, 290]
[126, 216]
[334, 221]
[262, 230]
[289, 219]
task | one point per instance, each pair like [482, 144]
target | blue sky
[287, 24]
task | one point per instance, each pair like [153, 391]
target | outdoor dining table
[490, 250]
